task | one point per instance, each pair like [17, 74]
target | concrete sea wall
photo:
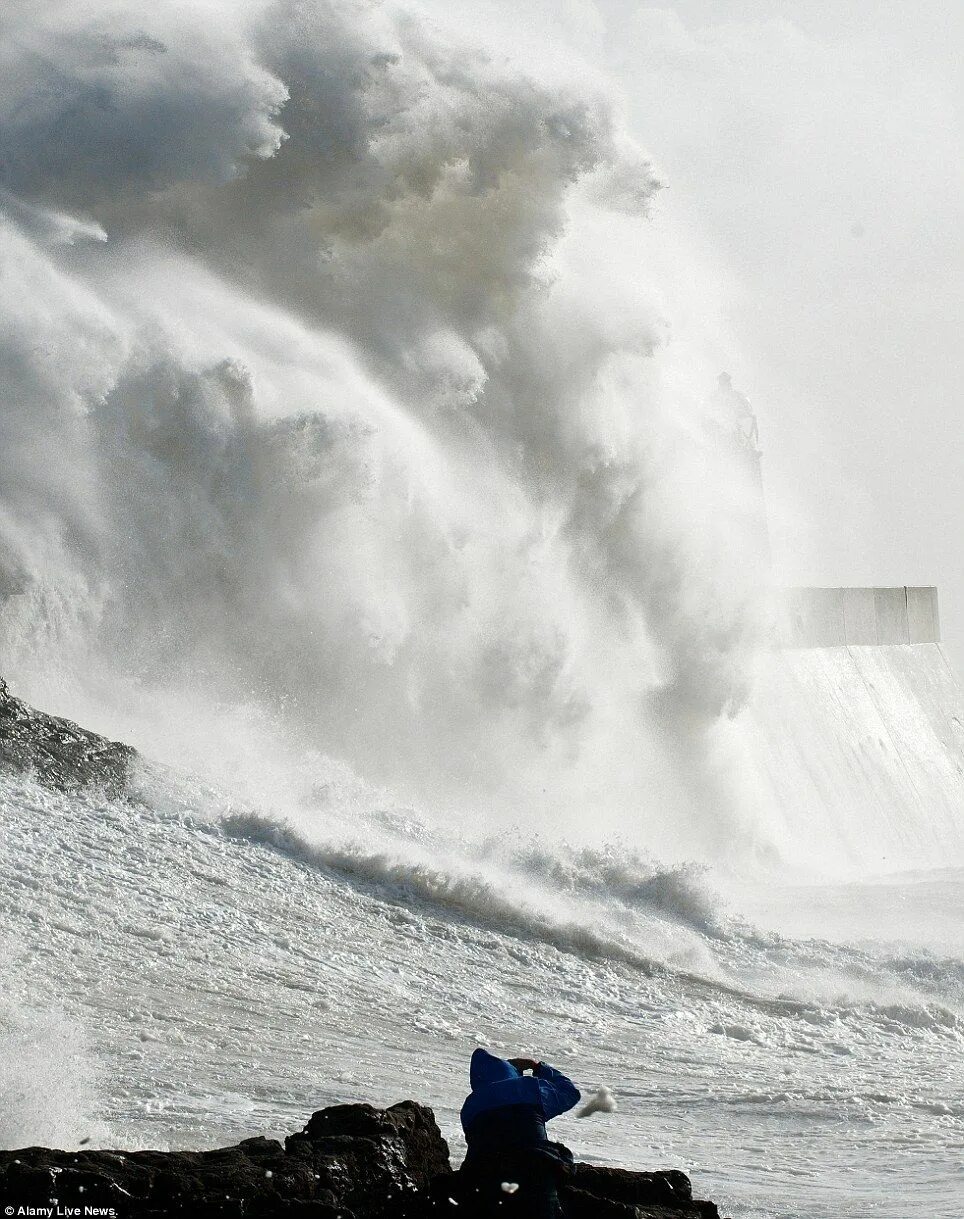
[837, 617]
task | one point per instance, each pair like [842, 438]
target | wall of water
[862, 751]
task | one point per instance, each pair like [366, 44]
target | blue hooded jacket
[497, 1084]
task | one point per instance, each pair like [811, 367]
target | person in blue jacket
[504, 1118]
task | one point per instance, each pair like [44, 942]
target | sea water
[182, 975]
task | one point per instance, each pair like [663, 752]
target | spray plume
[332, 388]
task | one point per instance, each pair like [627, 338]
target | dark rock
[589, 1192]
[349, 1162]
[352, 1161]
[402, 1127]
[642, 1198]
[57, 752]
[640, 1194]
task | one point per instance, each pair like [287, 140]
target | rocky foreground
[349, 1162]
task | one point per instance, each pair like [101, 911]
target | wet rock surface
[349, 1162]
[57, 752]
[614, 1192]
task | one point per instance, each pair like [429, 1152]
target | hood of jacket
[497, 1084]
[486, 1068]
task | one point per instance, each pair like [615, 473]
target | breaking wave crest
[495, 896]
[617, 873]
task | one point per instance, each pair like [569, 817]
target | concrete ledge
[840, 617]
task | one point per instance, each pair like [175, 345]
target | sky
[810, 154]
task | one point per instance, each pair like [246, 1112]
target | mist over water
[336, 403]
